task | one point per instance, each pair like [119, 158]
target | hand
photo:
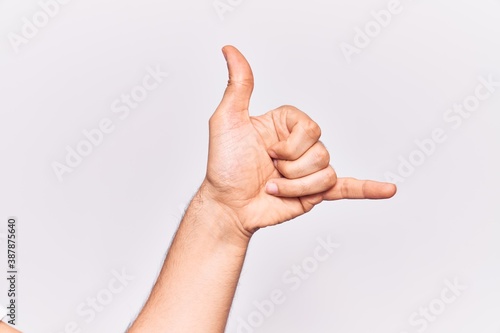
[269, 169]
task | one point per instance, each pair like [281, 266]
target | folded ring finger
[315, 183]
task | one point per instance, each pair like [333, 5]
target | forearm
[4, 328]
[196, 285]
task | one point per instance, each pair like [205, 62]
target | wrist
[223, 224]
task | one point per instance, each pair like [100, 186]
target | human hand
[272, 168]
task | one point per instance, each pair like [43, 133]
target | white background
[119, 208]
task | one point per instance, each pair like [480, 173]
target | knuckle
[288, 152]
[284, 168]
[294, 154]
[331, 177]
[312, 129]
[288, 107]
[346, 187]
[322, 157]
[302, 189]
[283, 149]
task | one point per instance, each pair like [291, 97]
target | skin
[4, 328]
[261, 171]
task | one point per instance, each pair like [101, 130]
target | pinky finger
[351, 188]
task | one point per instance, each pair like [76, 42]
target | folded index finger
[296, 131]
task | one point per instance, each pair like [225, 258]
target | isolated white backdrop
[117, 211]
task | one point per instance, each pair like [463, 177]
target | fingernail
[272, 153]
[275, 162]
[272, 188]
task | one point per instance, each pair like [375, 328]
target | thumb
[239, 89]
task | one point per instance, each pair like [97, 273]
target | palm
[239, 167]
